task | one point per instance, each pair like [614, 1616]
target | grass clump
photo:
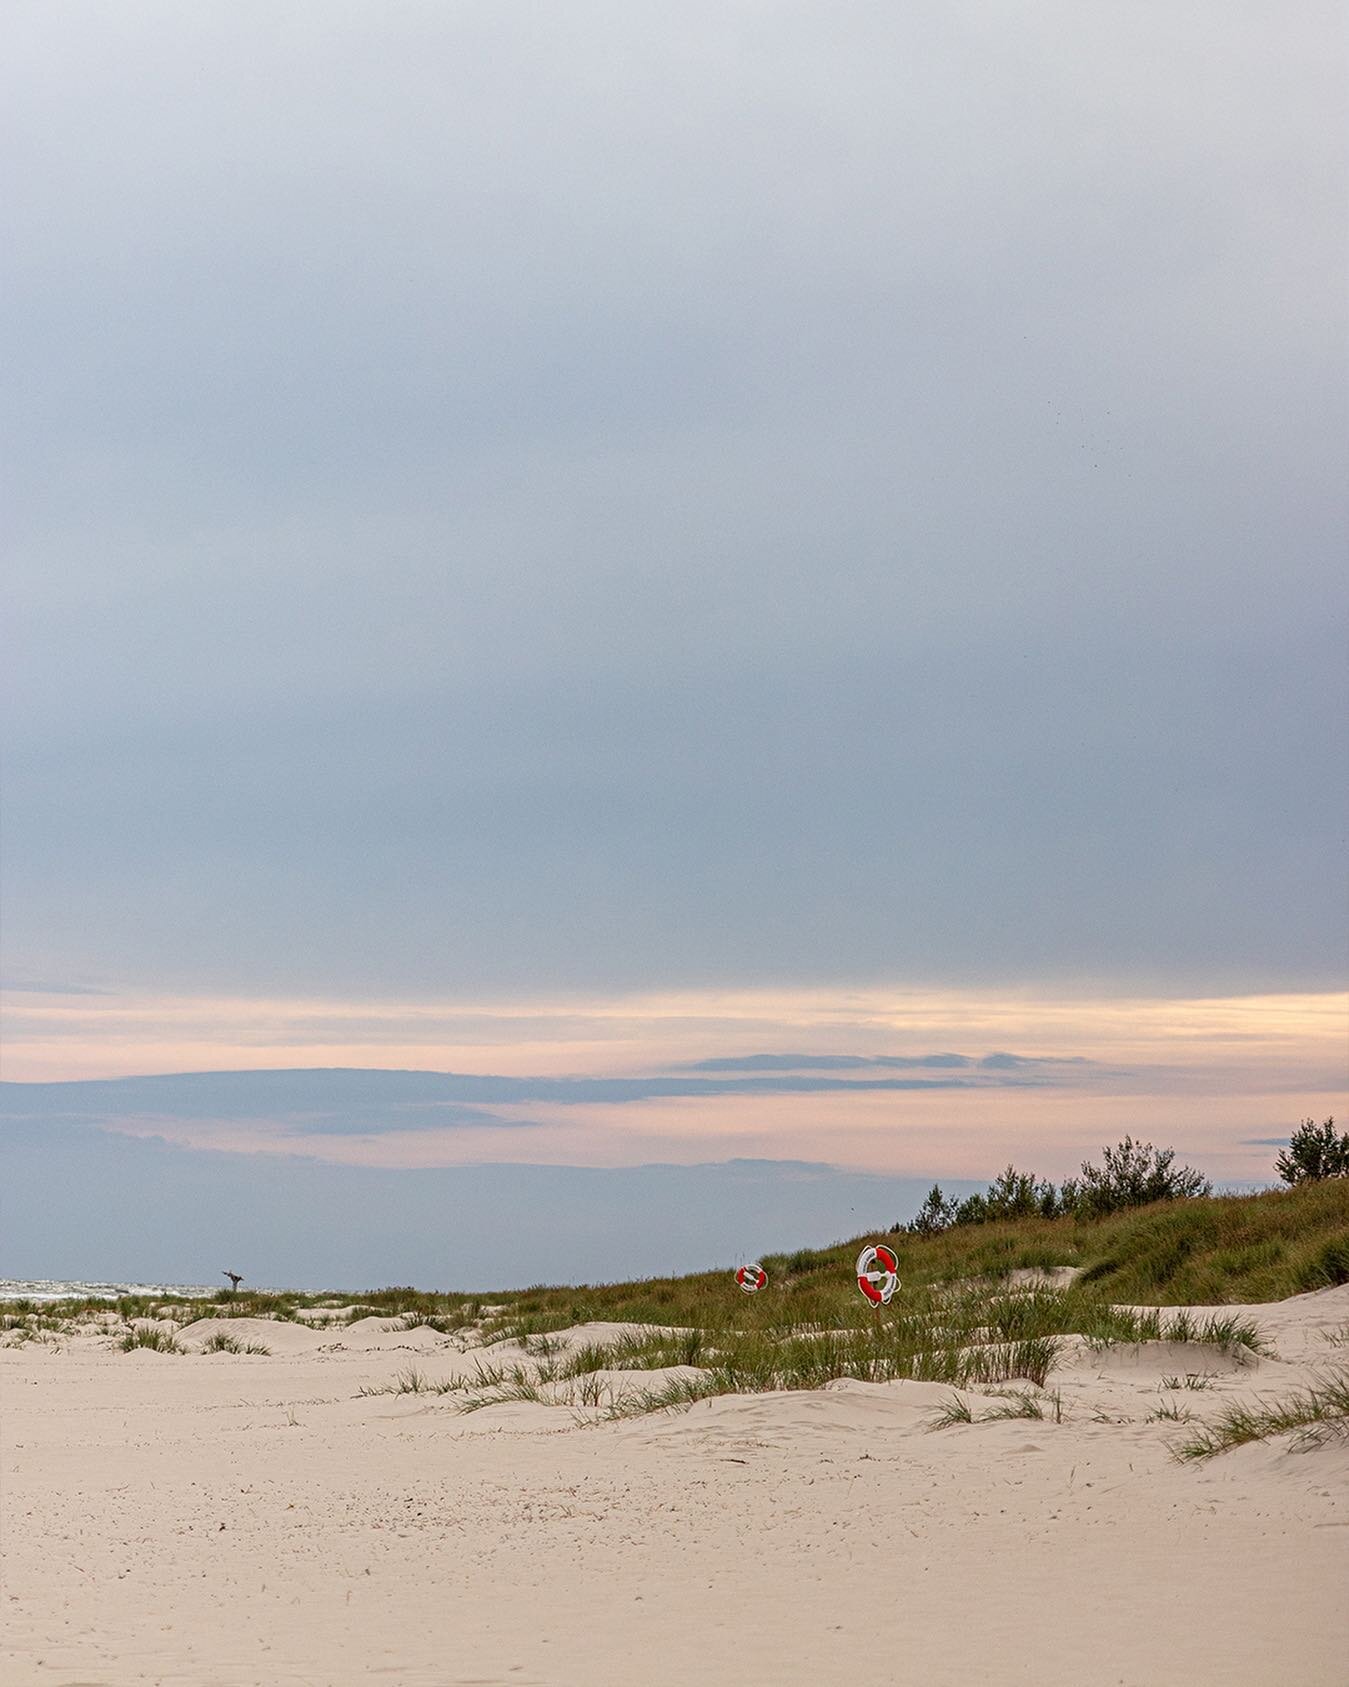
[1318, 1414]
[413, 1381]
[1021, 1403]
[1016, 1403]
[517, 1384]
[158, 1341]
[221, 1341]
[1238, 1337]
[951, 1412]
[674, 1394]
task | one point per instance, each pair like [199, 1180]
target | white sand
[229, 1520]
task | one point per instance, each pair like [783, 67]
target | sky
[572, 542]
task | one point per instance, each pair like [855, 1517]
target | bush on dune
[1133, 1174]
[1314, 1152]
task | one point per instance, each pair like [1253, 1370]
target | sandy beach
[232, 1519]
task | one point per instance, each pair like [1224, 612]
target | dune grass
[1021, 1403]
[1210, 1251]
[1317, 1414]
[221, 1341]
[1214, 1251]
[951, 1412]
[412, 1380]
[158, 1341]
[1015, 1403]
[957, 1319]
[954, 1321]
[977, 1335]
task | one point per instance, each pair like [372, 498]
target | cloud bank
[618, 497]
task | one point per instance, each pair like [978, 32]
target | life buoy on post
[751, 1278]
[877, 1273]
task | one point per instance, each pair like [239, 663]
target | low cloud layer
[314, 1101]
[795, 1063]
[922, 1083]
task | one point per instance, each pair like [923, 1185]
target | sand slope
[229, 1520]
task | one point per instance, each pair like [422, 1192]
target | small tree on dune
[1314, 1152]
[1134, 1175]
[935, 1215]
[1012, 1194]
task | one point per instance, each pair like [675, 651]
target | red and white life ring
[877, 1273]
[751, 1278]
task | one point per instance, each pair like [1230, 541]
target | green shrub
[1134, 1174]
[936, 1214]
[1314, 1152]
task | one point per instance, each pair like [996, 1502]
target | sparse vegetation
[973, 1336]
[413, 1381]
[1016, 1403]
[221, 1341]
[1317, 1414]
[518, 1385]
[674, 1394]
[590, 1391]
[952, 1411]
[147, 1335]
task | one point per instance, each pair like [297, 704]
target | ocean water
[12, 1288]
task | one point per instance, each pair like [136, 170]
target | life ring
[877, 1273]
[751, 1278]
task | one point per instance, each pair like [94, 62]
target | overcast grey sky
[530, 497]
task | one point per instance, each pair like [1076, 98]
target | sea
[13, 1288]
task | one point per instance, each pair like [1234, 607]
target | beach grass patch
[1316, 1414]
[146, 1336]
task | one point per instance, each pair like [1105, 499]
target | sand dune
[227, 1519]
[273, 1333]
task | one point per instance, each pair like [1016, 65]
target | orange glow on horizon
[51, 1038]
[1210, 1076]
